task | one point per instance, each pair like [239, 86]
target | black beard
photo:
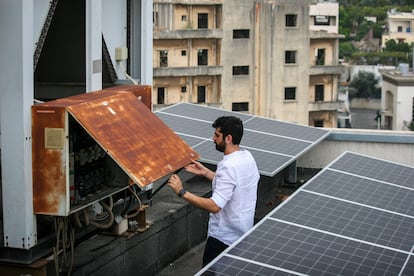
[221, 147]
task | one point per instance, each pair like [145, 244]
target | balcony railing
[189, 34]
[327, 70]
[188, 71]
[325, 106]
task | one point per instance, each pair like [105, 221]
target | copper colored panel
[142, 92]
[142, 145]
[49, 167]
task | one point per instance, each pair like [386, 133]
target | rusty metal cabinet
[89, 136]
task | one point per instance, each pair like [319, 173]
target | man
[234, 188]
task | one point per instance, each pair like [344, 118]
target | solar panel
[349, 219]
[273, 144]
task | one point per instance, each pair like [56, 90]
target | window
[243, 106]
[202, 57]
[240, 70]
[183, 53]
[322, 20]
[290, 93]
[155, 18]
[290, 57]
[291, 20]
[318, 123]
[183, 18]
[320, 57]
[163, 58]
[412, 114]
[399, 29]
[183, 89]
[319, 92]
[161, 95]
[202, 21]
[241, 34]
[201, 94]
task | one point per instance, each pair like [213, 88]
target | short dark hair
[230, 125]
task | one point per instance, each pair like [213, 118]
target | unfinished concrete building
[325, 71]
[187, 45]
[258, 57]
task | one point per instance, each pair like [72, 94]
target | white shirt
[235, 192]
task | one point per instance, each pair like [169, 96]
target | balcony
[325, 106]
[327, 70]
[188, 71]
[189, 34]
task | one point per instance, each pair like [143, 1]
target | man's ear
[228, 139]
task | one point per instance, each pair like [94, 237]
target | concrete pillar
[93, 45]
[16, 98]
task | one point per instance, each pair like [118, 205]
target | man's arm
[200, 202]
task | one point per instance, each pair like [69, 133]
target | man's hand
[175, 183]
[196, 168]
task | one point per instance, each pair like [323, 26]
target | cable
[108, 209]
[65, 238]
[139, 204]
[126, 74]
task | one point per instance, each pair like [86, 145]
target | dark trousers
[213, 248]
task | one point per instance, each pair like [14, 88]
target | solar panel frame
[274, 144]
[321, 231]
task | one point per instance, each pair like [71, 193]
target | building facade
[186, 52]
[276, 59]
[397, 98]
[399, 27]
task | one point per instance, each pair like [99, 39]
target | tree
[346, 50]
[392, 46]
[411, 126]
[365, 85]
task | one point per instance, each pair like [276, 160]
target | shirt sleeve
[224, 186]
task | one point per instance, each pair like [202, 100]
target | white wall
[114, 29]
[394, 151]
[403, 111]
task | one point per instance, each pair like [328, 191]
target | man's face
[219, 140]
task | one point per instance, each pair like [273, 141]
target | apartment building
[187, 52]
[325, 71]
[397, 99]
[276, 59]
[400, 27]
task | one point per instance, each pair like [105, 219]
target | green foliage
[392, 46]
[374, 58]
[346, 50]
[365, 85]
[411, 126]
[376, 2]
[354, 26]
[377, 31]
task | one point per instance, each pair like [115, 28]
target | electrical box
[121, 53]
[91, 146]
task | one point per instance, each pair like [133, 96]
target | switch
[121, 53]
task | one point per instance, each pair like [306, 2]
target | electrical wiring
[126, 74]
[65, 239]
[109, 211]
[138, 209]
[86, 220]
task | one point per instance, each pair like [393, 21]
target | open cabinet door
[123, 128]
[137, 140]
